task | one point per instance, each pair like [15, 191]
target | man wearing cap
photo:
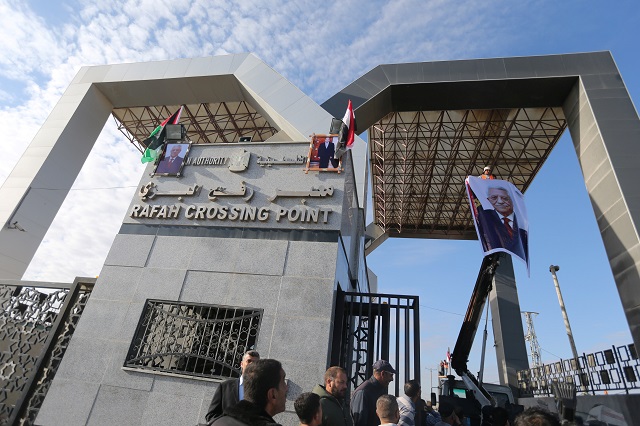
[486, 174]
[363, 400]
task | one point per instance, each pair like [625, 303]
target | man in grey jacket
[334, 411]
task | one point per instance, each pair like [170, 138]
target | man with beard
[334, 411]
[363, 401]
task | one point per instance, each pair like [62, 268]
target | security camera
[554, 268]
[15, 225]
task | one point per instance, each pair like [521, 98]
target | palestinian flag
[156, 139]
[347, 132]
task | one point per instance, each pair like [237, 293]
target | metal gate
[37, 321]
[369, 327]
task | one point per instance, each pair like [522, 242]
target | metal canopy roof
[432, 124]
[420, 159]
[221, 122]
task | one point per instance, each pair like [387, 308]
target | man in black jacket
[326, 151]
[363, 401]
[230, 391]
[265, 395]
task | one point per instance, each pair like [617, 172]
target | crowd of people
[261, 393]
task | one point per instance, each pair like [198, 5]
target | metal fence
[36, 325]
[193, 339]
[371, 326]
[615, 369]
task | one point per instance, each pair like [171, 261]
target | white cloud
[28, 47]
[332, 45]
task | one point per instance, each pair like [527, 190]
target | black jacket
[245, 413]
[326, 155]
[225, 397]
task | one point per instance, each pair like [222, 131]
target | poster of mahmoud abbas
[500, 216]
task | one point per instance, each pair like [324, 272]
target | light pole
[431, 381]
[553, 269]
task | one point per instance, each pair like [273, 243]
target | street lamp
[553, 269]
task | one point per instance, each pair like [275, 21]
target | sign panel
[261, 185]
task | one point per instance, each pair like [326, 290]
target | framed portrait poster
[321, 154]
[500, 216]
[172, 159]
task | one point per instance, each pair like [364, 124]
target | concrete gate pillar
[511, 351]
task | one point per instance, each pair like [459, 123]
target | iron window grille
[196, 340]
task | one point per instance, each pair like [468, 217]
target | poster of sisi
[322, 154]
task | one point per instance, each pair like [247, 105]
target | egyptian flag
[154, 142]
[347, 132]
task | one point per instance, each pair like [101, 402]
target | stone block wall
[293, 281]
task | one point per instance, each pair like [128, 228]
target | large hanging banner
[500, 217]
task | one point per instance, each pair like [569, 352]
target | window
[193, 339]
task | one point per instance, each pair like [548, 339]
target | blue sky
[321, 47]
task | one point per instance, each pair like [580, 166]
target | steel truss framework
[222, 122]
[420, 159]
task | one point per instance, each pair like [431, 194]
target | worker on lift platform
[486, 174]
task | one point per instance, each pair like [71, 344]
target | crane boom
[460, 355]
